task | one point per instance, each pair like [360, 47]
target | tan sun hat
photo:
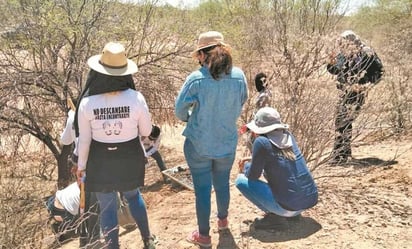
[209, 39]
[112, 61]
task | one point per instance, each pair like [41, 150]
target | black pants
[66, 228]
[347, 111]
[90, 227]
[86, 226]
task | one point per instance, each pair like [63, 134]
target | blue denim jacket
[211, 108]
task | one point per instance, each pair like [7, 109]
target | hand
[332, 59]
[357, 88]
[241, 163]
[79, 174]
[242, 130]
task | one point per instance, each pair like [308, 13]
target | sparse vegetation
[44, 46]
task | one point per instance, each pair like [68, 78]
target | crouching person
[289, 188]
[65, 220]
[63, 208]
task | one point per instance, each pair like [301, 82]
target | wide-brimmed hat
[112, 61]
[267, 121]
[209, 39]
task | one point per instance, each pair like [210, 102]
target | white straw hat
[112, 61]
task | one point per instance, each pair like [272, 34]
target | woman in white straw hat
[110, 118]
[290, 188]
[211, 101]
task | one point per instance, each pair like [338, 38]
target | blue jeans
[260, 194]
[205, 172]
[108, 215]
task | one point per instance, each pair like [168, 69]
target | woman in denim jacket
[211, 101]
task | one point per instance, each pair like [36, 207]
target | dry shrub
[396, 94]
[22, 212]
[23, 215]
[306, 96]
[302, 90]
[389, 30]
[387, 111]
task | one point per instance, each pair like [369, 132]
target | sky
[349, 5]
[352, 5]
[184, 3]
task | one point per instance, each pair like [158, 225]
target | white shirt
[69, 197]
[150, 146]
[68, 135]
[111, 118]
[263, 99]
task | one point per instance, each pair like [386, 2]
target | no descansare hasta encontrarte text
[111, 112]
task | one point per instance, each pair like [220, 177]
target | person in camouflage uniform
[357, 68]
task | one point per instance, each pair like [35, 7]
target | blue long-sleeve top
[291, 182]
[211, 109]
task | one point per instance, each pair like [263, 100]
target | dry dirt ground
[365, 204]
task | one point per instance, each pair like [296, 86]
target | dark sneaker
[150, 243]
[196, 238]
[270, 221]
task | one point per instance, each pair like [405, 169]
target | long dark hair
[98, 83]
[260, 81]
[219, 60]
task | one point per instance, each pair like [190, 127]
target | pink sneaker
[222, 224]
[196, 238]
